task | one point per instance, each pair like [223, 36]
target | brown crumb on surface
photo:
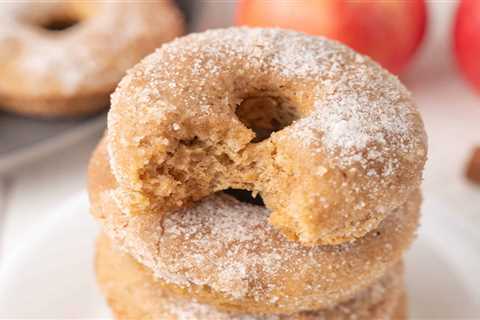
[473, 166]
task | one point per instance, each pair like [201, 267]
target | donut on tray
[65, 58]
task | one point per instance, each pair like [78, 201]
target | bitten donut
[64, 58]
[331, 141]
[223, 252]
[133, 293]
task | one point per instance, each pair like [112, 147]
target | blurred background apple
[388, 31]
[467, 40]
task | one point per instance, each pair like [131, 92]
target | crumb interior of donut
[60, 23]
[245, 196]
[195, 166]
[265, 115]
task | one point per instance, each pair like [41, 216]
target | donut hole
[63, 23]
[245, 196]
[265, 115]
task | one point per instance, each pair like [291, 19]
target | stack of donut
[64, 58]
[257, 174]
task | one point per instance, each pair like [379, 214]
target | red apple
[467, 40]
[388, 31]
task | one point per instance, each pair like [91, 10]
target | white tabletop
[28, 194]
[451, 112]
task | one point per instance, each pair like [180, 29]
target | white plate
[52, 275]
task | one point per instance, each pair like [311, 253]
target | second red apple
[467, 40]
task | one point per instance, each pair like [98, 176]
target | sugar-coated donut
[225, 253]
[50, 73]
[196, 116]
[401, 310]
[132, 293]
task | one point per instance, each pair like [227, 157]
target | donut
[223, 252]
[401, 310]
[332, 142]
[65, 58]
[132, 293]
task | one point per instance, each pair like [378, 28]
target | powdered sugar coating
[355, 121]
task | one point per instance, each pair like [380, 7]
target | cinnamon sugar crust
[331, 141]
[133, 293]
